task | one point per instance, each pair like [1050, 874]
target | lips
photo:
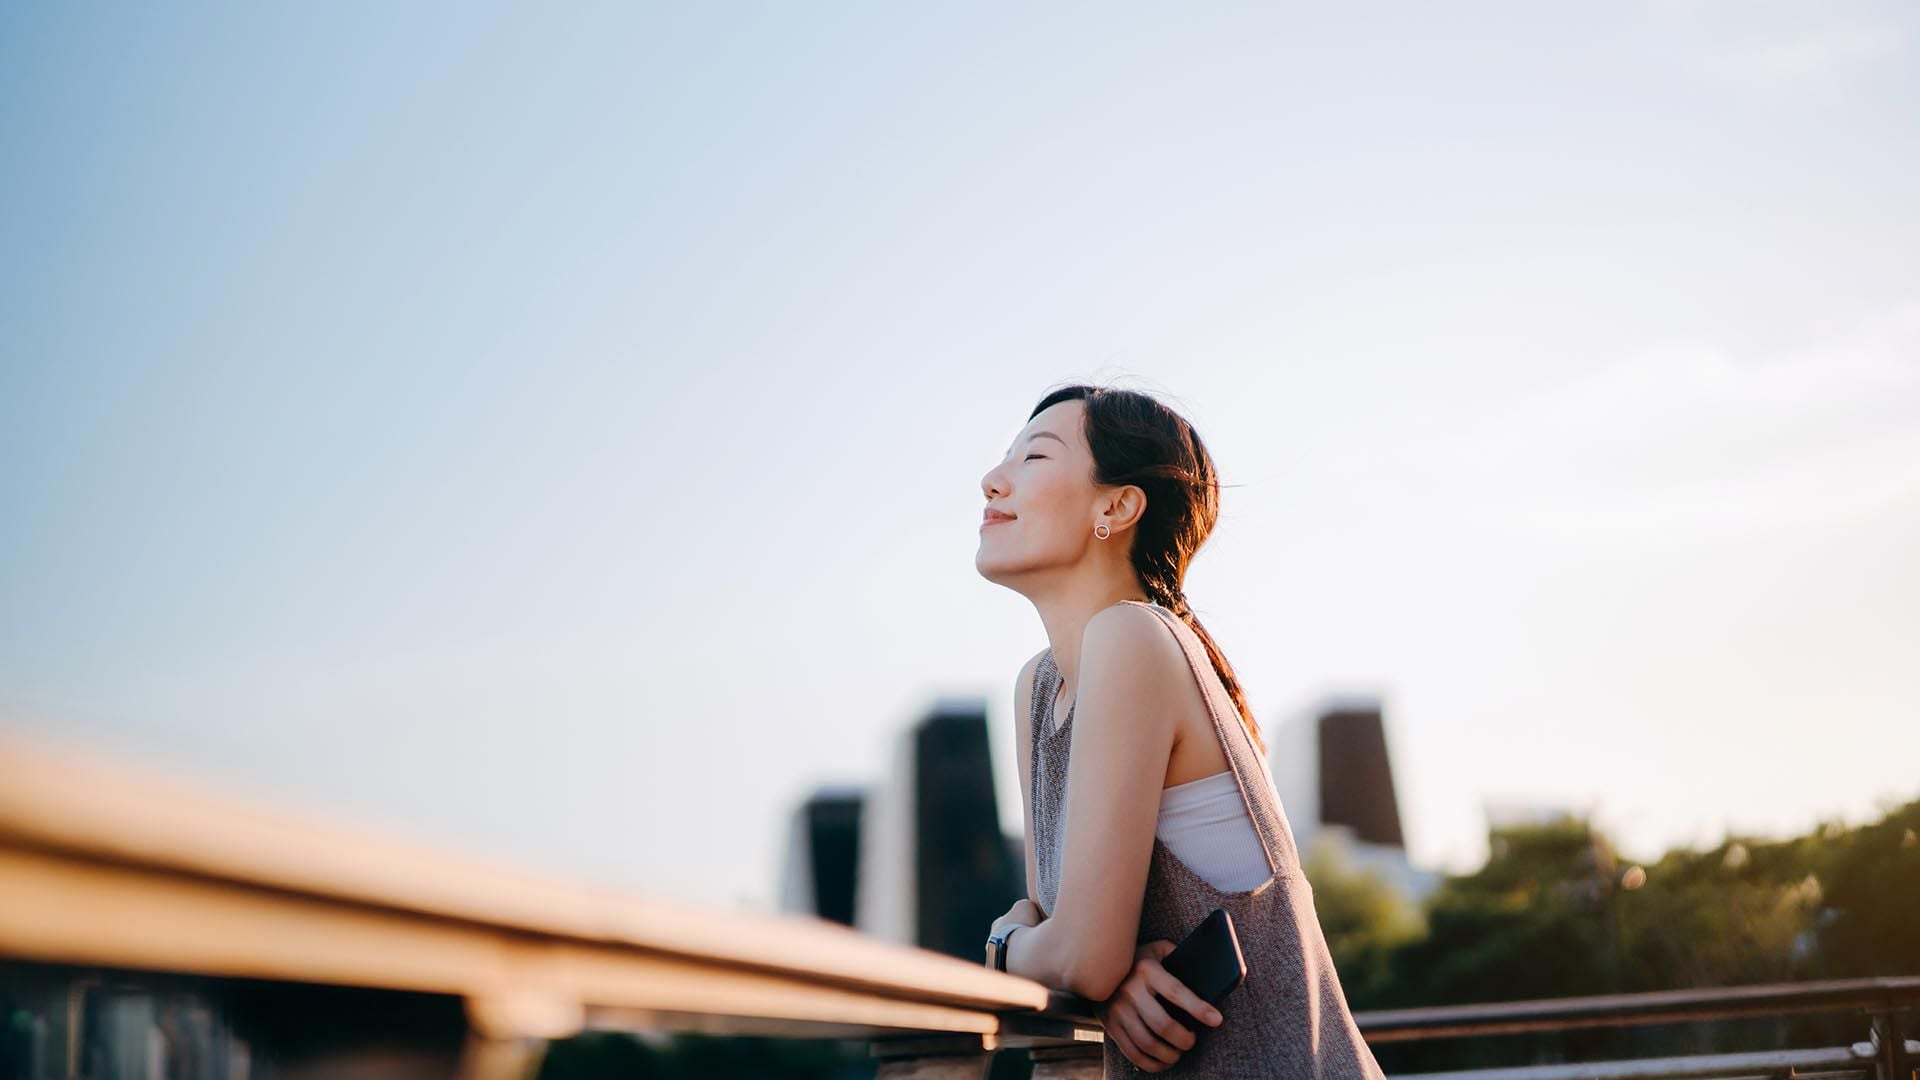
[994, 518]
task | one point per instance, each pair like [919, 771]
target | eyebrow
[1043, 434]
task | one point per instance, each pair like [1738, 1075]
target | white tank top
[1205, 823]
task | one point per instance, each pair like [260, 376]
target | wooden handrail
[110, 865]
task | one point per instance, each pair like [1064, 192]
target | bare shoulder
[1131, 629]
[1128, 647]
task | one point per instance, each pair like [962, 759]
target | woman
[1094, 514]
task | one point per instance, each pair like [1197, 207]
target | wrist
[997, 943]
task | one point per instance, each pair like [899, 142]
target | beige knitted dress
[1288, 1018]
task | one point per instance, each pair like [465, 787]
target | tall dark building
[823, 854]
[1334, 771]
[964, 879]
[1356, 788]
[919, 856]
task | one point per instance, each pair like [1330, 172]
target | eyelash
[1030, 457]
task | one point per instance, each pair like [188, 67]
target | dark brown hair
[1137, 440]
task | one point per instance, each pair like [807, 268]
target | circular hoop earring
[1101, 531]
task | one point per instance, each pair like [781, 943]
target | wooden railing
[112, 868]
[107, 870]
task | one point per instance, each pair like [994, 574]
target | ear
[1123, 506]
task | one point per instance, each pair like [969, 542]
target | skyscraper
[918, 857]
[1334, 772]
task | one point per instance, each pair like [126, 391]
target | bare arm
[1124, 722]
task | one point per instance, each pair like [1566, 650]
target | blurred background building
[1334, 772]
[919, 857]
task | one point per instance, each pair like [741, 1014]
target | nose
[992, 485]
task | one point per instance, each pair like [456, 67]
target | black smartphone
[1208, 960]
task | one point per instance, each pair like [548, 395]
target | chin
[1003, 568]
[989, 568]
[984, 567]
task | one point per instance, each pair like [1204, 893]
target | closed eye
[1030, 457]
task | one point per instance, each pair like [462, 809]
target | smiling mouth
[995, 521]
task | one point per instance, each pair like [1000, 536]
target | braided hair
[1137, 440]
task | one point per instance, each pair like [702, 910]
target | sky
[557, 435]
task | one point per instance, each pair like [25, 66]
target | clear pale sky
[558, 436]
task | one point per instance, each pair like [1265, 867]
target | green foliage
[1735, 914]
[1872, 877]
[1530, 923]
[1556, 911]
[1363, 918]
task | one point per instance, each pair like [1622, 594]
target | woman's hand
[1137, 1023]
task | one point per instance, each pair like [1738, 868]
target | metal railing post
[1890, 1058]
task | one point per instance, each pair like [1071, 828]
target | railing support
[1890, 1058]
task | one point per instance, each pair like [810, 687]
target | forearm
[1041, 953]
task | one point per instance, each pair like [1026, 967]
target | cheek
[1046, 529]
[1059, 505]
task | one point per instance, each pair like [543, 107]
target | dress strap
[1242, 758]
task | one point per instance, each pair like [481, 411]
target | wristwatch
[997, 949]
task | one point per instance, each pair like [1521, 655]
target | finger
[1150, 1045]
[1117, 1031]
[1148, 950]
[1171, 988]
[1150, 975]
[1114, 1030]
[1155, 1016]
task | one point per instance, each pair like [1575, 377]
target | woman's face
[1045, 481]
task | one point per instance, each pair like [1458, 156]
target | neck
[1066, 614]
